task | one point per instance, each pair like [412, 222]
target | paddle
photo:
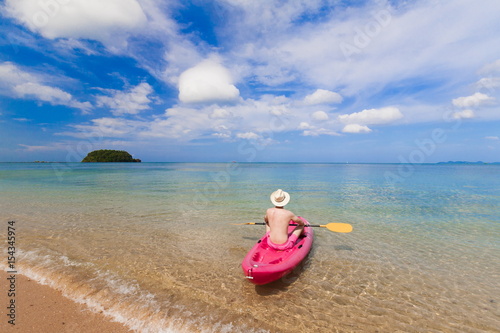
[335, 227]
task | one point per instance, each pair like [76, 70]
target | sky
[251, 80]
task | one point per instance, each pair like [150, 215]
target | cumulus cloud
[311, 130]
[372, 116]
[186, 123]
[475, 100]
[89, 19]
[220, 114]
[106, 127]
[464, 114]
[356, 128]
[322, 96]
[207, 82]
[129, 102]
[305, 126]
[319, 116]
[22, 84]
[189, 122]
[319, 131]
[248, 136]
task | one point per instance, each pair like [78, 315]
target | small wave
[106, 293]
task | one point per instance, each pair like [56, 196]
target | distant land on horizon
[448, 162]
[109, 156]
[466, 162]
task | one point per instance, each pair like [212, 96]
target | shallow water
[152, 245]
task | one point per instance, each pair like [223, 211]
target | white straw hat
[280, 198]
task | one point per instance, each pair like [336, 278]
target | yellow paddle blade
[338, 227]
[243, 223]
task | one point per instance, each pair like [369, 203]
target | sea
[155, 245]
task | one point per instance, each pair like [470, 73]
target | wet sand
[41, 309]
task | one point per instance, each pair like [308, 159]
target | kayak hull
[263, 264]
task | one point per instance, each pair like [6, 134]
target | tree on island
[108, 155]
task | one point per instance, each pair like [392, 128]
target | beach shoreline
[40, 308]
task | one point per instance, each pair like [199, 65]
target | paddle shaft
[292, 224]
[335, 227]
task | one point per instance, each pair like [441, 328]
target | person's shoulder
[288, 212]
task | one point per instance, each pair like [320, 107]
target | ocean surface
[152, 244]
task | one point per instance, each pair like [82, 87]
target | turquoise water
[152, 244]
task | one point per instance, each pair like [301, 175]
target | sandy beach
[40, 309]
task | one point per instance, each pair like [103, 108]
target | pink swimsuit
[285, 246]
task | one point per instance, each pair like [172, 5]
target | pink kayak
[263, 264]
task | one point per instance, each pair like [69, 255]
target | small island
[108, 155]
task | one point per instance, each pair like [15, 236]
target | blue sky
[251, 81]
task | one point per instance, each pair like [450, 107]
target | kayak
[263, 264]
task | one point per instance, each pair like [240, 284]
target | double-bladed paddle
[335, 227]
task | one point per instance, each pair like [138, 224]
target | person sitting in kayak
[277, 220]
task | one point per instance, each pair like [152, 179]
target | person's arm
[267, 223]
[297, 220]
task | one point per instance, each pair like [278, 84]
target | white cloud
[43, 93]
[311, 130]
[11, 75]
[106, 127]
[491, 68]
[494, 138]
[86, 19]
[130, 102]
[22, 84]
[207, 82]
[475, 100]
[322, 96]
[248, 136]
[464, 114]
[372, 116]
[305, 126]
[198, 121]
[430, 35]
[489, 83]
[356, 128]
[319, 131]
[319, 116]
[220, 114]
[183, 124]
